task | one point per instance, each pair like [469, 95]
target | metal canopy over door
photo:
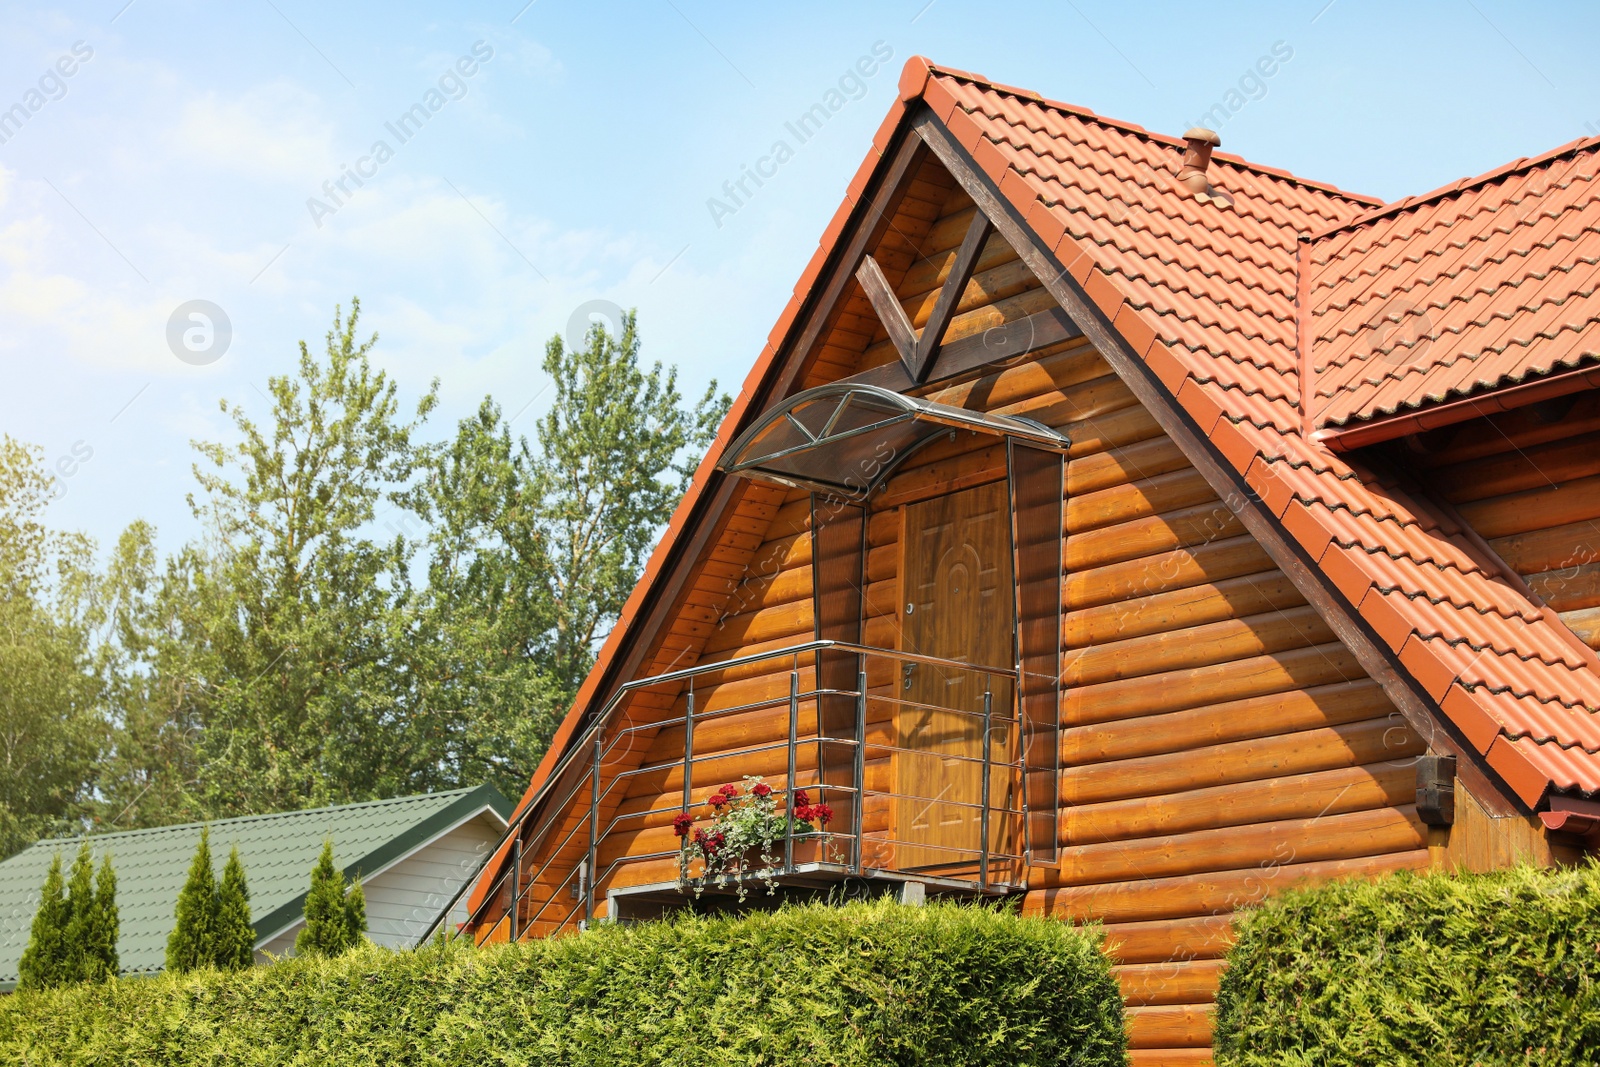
[959, 606]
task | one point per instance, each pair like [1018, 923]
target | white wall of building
[403, 898]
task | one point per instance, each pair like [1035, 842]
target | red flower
[716, 800]
[730, 791]
[802, 799]
[681, 825]
[803, 813]
[762, 789]
[822, 813]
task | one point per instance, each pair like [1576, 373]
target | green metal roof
[278, 852]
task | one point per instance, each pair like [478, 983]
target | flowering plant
[744, 824]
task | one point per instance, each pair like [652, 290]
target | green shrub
[863, 984]
[1478, 969]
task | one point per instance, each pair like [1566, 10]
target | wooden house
[1120, 526]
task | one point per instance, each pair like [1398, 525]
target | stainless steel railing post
[688, 751]
[983, 815]
[794, 729]
[516, 883]
[594, 831]
[856, 847]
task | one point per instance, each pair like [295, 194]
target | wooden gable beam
[917, 353]
[944, 308]
[890, 313]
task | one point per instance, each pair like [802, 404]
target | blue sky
[575, 163]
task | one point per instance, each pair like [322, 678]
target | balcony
[923, 762]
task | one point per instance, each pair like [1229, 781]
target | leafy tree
[300, 706]
[334, 921]
[535, 547]
[616, 452]
[51, 726]
[193, 941]
[149, 656]
[45, 962]
[235, 937]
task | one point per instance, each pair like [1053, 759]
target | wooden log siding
[1528, 481]
[1218, 740]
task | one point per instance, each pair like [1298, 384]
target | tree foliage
[74, 935]
[52, 725]
[212, 927]
[235, 937]
[192, 942]
[44, 961]
[335, 920]
[368, 613]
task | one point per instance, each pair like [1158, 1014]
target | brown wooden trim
[1360, 434]
[1376, 659]
[944, 308]
[890, 313]
[1011, 340]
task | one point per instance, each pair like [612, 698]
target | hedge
[1419, 969]
[875, 983]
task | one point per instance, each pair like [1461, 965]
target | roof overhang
[848, 437]
[1358, 434]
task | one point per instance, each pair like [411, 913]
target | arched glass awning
[847, 438]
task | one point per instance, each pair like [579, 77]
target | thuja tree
[92, 923]
[236, 938]
[44, 961]
[213, 921]
[192, 941]
[74, 935]
[335, 920]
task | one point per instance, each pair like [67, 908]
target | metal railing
[920, 758]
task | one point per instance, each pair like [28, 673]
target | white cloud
[274, 132]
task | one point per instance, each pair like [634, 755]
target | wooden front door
[958, 606]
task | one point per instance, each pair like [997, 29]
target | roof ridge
[1135, 128]
[1462, 185]
[237, 819]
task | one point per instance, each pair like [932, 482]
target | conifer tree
[44, 961]
[355, 915]
[236, 938]
[334, 922]
[80, 915]
[99, 944]
[192, 942]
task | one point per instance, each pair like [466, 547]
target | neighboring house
[1126, 529]
[413, 854]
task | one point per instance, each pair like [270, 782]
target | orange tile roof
[1484, 283]
[1210, 297]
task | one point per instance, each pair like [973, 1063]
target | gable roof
[1208, 302]
[278, 852]
[1484, 283]
[1208, 299]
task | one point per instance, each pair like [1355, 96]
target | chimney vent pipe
[1196, 158]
